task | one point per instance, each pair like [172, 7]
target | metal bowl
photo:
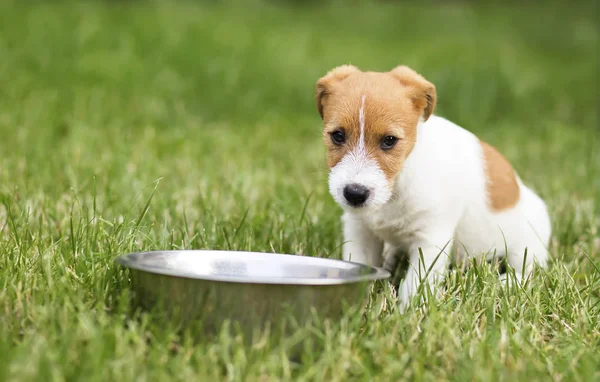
[248, 289]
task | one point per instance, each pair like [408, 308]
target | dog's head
[370, 127]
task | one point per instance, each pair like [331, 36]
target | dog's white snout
[358, 182]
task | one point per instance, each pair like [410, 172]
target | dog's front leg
[360, 244]
[428, 264]
[390, 257]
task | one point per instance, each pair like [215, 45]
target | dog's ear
[326, 83]
[423, 92]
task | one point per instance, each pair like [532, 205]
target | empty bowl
[250, 290]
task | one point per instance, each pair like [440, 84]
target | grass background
[206, 112]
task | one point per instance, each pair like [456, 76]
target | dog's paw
[513, 280]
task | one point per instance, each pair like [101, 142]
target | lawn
[130, 125]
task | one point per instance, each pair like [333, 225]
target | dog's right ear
[326, 83]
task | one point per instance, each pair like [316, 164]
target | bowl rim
[128, 261]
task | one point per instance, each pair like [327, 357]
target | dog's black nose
[356, 194]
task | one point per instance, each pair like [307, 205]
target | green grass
[207, 112]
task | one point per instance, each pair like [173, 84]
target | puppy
[415, 183]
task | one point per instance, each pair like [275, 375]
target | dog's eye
[388, 142]
[338, 137]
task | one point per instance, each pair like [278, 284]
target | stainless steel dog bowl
[250, 290]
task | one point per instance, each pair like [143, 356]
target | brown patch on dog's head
[502, 186]
[392, 104]
[326, 83]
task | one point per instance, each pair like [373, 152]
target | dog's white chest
[394, 223]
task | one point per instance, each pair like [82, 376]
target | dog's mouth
[357, 198]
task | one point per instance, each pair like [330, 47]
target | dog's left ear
[326, 83]
[423, 92]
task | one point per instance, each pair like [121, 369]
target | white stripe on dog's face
[356, 167]
[361, 121]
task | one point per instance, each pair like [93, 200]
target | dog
[413, 182]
